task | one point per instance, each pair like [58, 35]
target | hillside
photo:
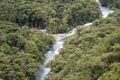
[91, 54]
[57, 16]
[21, 51]
[115, 4]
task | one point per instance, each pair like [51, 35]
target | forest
[92, 53]
[111, 3]
[21, 51]
[57, 16]
[23, 45]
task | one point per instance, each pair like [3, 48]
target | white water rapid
[59, 44]
[52, 52]
[105, 11]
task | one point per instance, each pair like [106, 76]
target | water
[87, 24]
[60, 38]
[105, 11]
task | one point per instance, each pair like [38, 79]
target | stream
[60, 38]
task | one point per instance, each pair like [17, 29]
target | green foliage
[57, 16]
[21, 51]
[93, 53]
[111, 3]
[83, 12]
[113, 74]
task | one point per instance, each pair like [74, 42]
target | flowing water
[52, 52]
[105, 11]
[60, 38]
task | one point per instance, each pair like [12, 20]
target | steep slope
[93, 53]
[111, 3]
[57, 16]
[21, 51]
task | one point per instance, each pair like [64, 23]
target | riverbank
[57, 68]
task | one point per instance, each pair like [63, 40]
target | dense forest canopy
[21, 51]
[111, 3]
[93, 53]
[57, 16]
[22, 44]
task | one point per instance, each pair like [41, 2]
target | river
[60, 38]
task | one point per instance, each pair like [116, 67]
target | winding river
[60, 38]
